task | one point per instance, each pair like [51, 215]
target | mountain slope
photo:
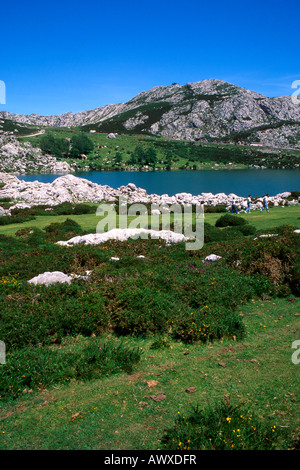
[206, 110]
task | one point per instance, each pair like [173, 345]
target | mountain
[208, 110]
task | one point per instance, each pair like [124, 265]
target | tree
[55, 146]
[118, 157]
[143, 157]
[150, 157]
[81, 144]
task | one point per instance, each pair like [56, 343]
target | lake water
[240, 182]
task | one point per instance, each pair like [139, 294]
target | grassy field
[58, 393]
[117, 413]
[262, 221]
[171, 154]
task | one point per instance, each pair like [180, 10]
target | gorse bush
[247, 229]
[64, 230]
[220, 427]
[229, 220]
[215, 209]
[65, 208]
[36, 368]
[140, 297]
[45, 315]
[209, 324]
[276, 258]
[7, 219]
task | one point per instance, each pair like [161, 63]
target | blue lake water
[240, 182]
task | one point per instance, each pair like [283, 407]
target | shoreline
[74, 189]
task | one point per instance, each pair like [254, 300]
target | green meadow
[116, 154]
[157, 352]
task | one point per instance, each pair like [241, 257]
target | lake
[240, 182]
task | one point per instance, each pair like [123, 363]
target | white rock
[48, 278]
[211, 258]
[122, 235]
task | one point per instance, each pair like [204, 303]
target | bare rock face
[208, 109]
[22, 158]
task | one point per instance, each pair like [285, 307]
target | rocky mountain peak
[210, 109]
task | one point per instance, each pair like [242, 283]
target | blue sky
[72, 56]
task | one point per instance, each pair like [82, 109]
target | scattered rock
[161, 396]
[48, 278]
[143, 403]
[150, 383]
[222, 364]
[211, 258]
[191, 390]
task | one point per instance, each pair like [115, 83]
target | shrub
[45, 315]
[64, 230]
[160, 342]
[83, 209]
[5, 199]
[35, 368]
[247, 230]
[294, 279]
[7, 219]
[213, 234]
[273, 258]
[208, 324]
[141, 310]
[220, 427]
[215, 209]
[229, 220]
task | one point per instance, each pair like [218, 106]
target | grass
[171, 154]
[117, 413]
[88, 222]
[247, 361]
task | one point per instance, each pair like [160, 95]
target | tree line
[78, 145]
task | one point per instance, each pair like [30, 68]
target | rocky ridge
[205, 110]
[18, 158]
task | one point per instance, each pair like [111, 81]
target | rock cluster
[122, 235]
[17, 158]
[69, 188]
[51, 277]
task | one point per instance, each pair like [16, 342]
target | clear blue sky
[62, 56]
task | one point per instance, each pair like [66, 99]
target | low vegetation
[144, 316]
[132, 150]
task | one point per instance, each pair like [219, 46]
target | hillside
[208, 110]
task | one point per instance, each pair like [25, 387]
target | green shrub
[208, 324]
[141, 310]
[229, 220]
[5, 199]
[39, 367]
[215, 209]
[160, 342]
[7, 219]
[83, 209]
[220, 427]
[213, 234]
[45, 315]
[247, 230]
[294, 279]
[64, 230]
